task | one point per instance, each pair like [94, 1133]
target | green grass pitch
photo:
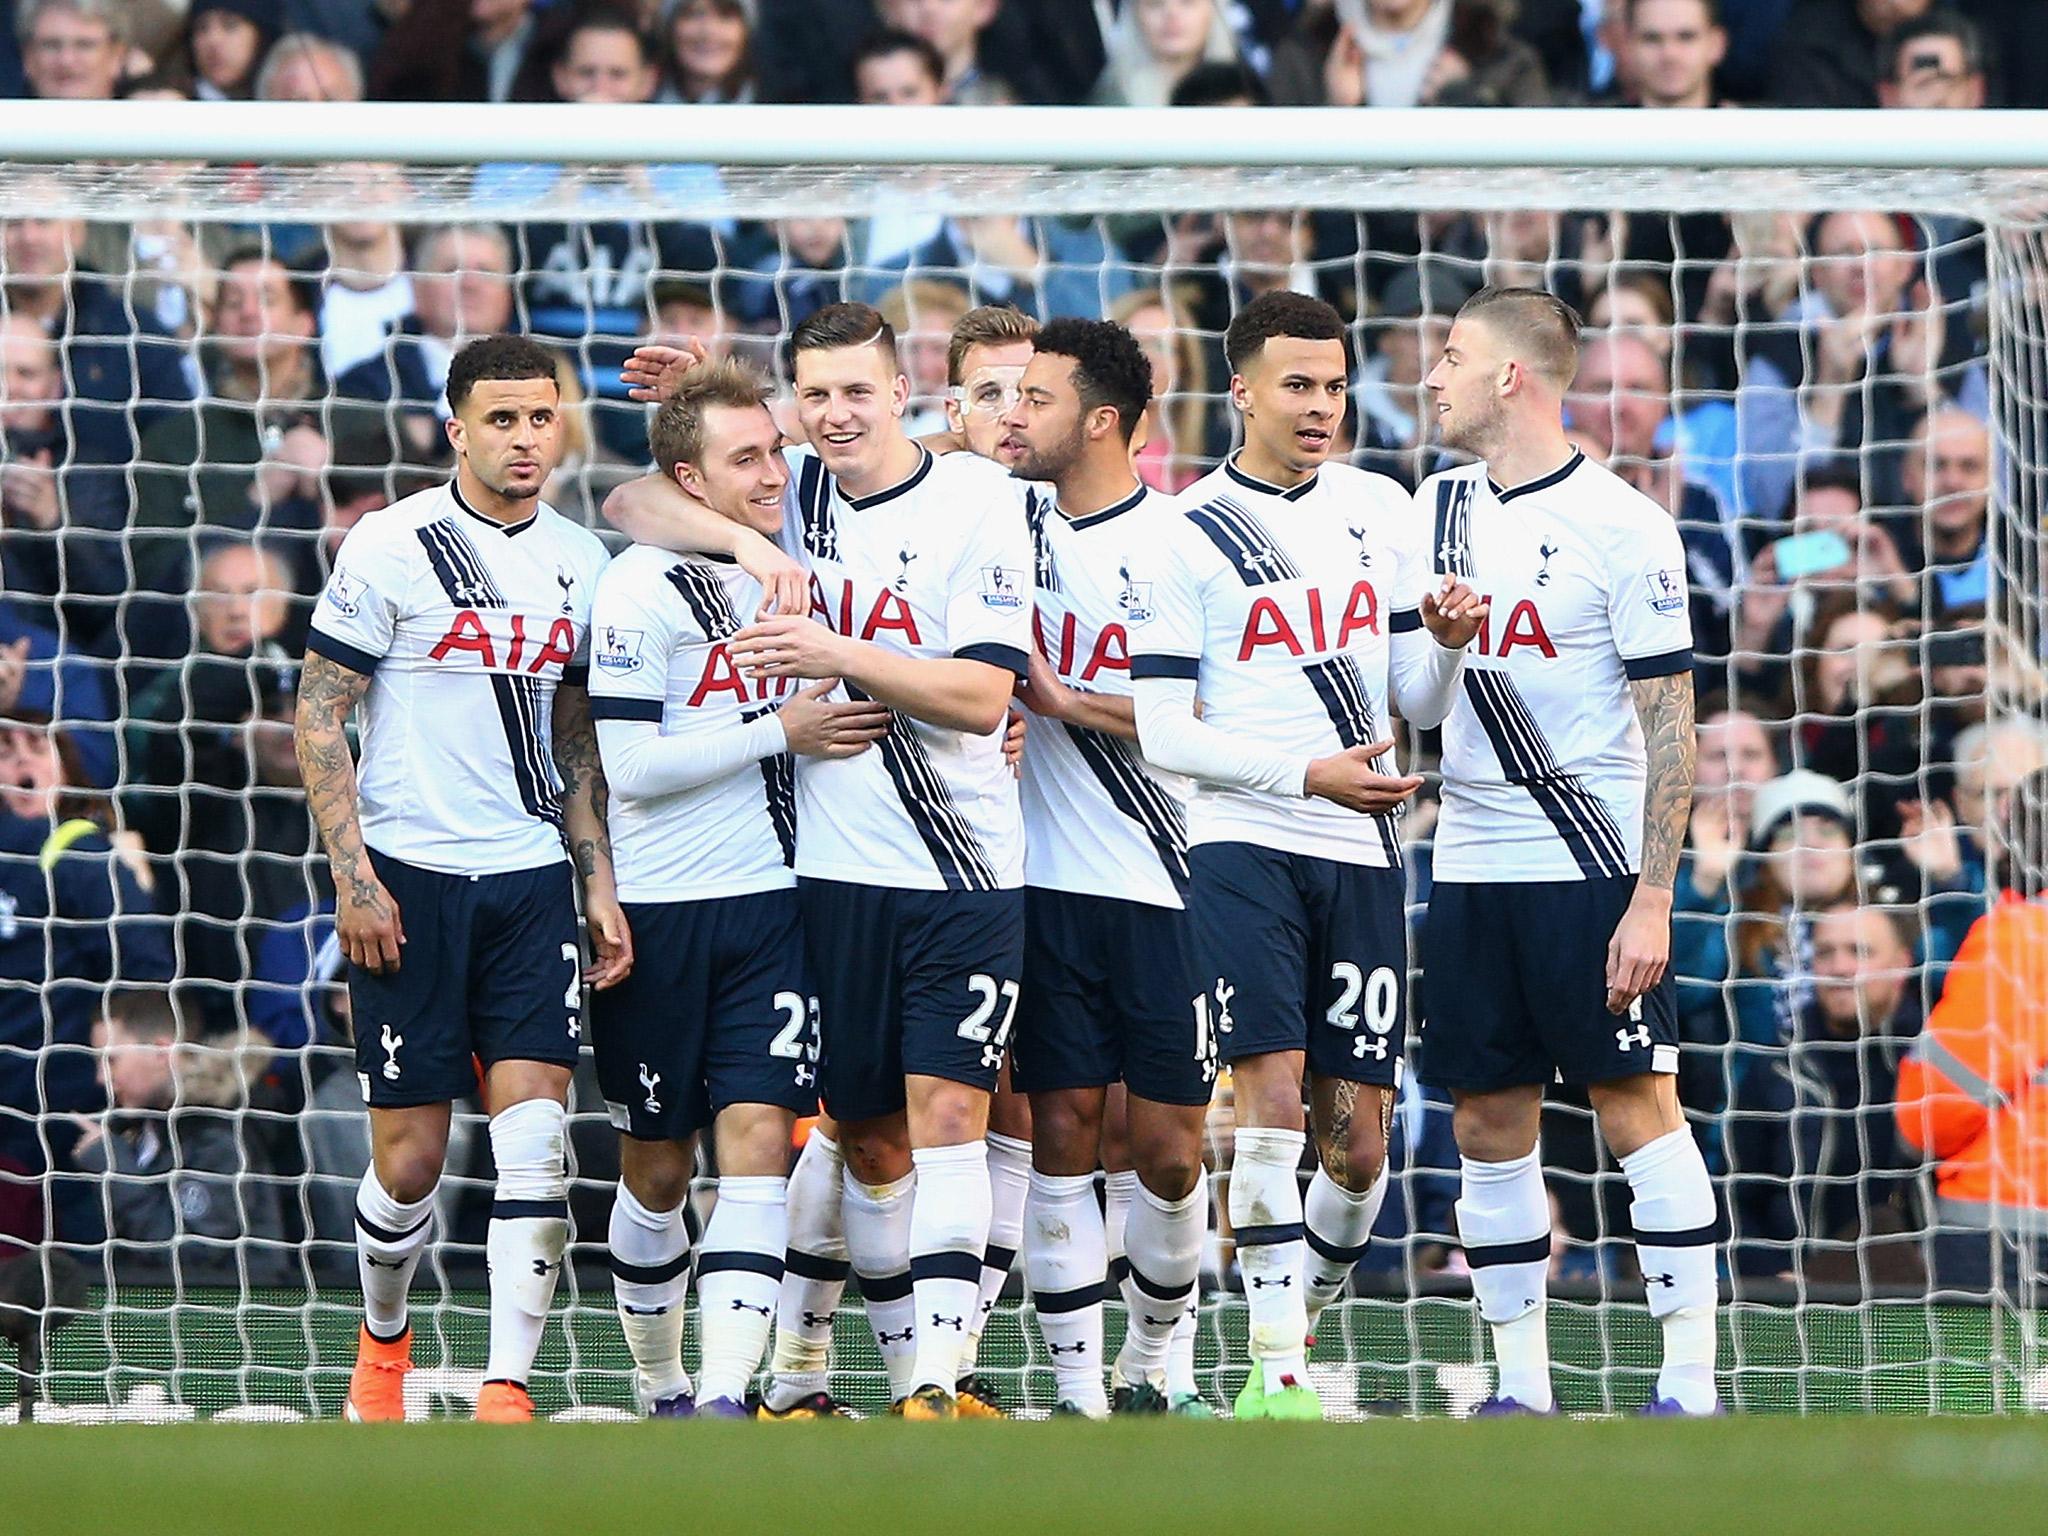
[1755, 1476]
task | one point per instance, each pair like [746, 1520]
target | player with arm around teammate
[909, 858]
[458, 621]
[1568, 769]
[1292, 599]
[717, 1024]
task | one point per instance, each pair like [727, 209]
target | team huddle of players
[774, 740]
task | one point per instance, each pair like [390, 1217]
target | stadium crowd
[193, 416]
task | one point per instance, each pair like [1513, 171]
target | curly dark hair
[1278, 314]
[1110, 368]
[497, 359]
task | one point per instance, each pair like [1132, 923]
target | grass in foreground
[1859, 1476]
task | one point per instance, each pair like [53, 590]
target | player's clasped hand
[786, 645]
[1453, 614]
[815, 726]
[1351, 780]
[367, 923]
[611, 940]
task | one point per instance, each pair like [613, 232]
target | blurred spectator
[1854, 369]
[362, 475]
[60, 521]
[923, 313]
[1220, 85]
[461, 287]
[709, 56]
[1828, 54]
[74, 919]
[1178, 437]
[73, 50]
[1814, 1156]
[248, 458]
[1407, 53]
[1934, 62]
[1155, 44]
[1970, 1091]
[1394, 412]
[175, 725]
[302, 67]
[1673, 48]
[225, 41]
[1747, 961]
[898, 69]
[365, 287]
[40, 674]
[1857, 693]
[1621, 401]
[589, 469]
[956, 29]
[1945, 474]
[806, 270]
[1735, 758]
[467, 50]
[189, 1191]
[125, 372]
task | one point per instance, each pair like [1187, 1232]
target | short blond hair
[677, 435]
[1540, 329]
[987, 325]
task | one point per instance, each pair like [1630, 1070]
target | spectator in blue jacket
[40, 674]
[74, 920]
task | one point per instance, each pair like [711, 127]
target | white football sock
[1674, 1215]
[1009, 1182]
[1066, 1259]
[739, 1272]
[1504, 1225]
[650, 1258]
[814, 1270]
[877, 1218]
[1163, 1241]
[1118, 1191]
[949, 1220]
[528, 1231]
[1337, 1223]
[1265, 1211]
[390, 1237]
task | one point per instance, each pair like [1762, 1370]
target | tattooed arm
[366, 919]
[1641, 947]
[586, 799]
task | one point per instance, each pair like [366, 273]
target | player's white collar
[1266, 487]
[908, 482]
[1114, 509]
[508, 529]
[1541, 484]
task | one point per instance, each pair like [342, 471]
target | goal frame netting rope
[1407, 1342]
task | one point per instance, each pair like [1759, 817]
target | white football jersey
[658, 650]
[939, 565]
[1098, 819]
[1543, 756]
[1281, 605]
[464, 627]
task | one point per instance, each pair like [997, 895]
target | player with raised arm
[1291, 599]
[458, 619]
[910, 857]
[1108, 972]
[1568, 768]
[716, 1026]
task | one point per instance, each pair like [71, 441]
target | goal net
[1834, 375]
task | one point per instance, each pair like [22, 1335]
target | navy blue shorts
[718, 1010]
[1301, 954]
[1109, 989]
[1514, 987]
[910, 982]
[490, 970]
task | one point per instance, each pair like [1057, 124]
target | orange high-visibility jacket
[1973, 1094]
